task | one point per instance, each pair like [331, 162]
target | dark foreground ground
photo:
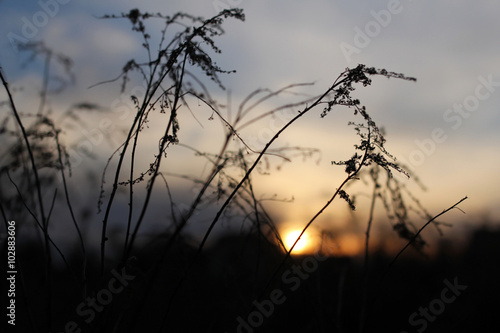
[223, 291]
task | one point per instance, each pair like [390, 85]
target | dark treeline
[226, 291]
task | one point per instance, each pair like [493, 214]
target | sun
[301, 245]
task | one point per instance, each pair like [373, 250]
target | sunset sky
[445, 125]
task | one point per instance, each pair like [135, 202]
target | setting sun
[301, 245]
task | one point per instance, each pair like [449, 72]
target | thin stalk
[184, 219]
[254, 205]
[23, 201]
[118, 170]
[38, 187]
[351, 176]
[259, 157]
[367, 252]
[401, 252]
[151, 89]
[73, 219]
[239, 185]
[418, 233]
[142, 119]
[113, 191]
[131, 185]
[173, 115]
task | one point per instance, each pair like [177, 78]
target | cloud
[445, 44]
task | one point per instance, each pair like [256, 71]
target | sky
[444, 126]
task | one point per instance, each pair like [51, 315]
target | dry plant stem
[70, 207]
[131, 185]
[418, 233]
[142, 115]
[115, 188]
[30, 153]
[242, 113]
[152, 87]
[184, 219]
[404, 249]
[150, 91]
[257, 222]
[2, 211]
[160, 155]
[351, 176]
[41, 227]
[259, 157]
[232, 130]
[267, 218]
[252, 200]
[217, 167]
[287, 256]
[242, 181]
[367, 254]
[40, 203]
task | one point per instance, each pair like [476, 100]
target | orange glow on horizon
[343, 245]
[350, 245]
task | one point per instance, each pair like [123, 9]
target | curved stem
[367, 317]
[161, 152]
[239, 185]
[40, 201]
[325, 206]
